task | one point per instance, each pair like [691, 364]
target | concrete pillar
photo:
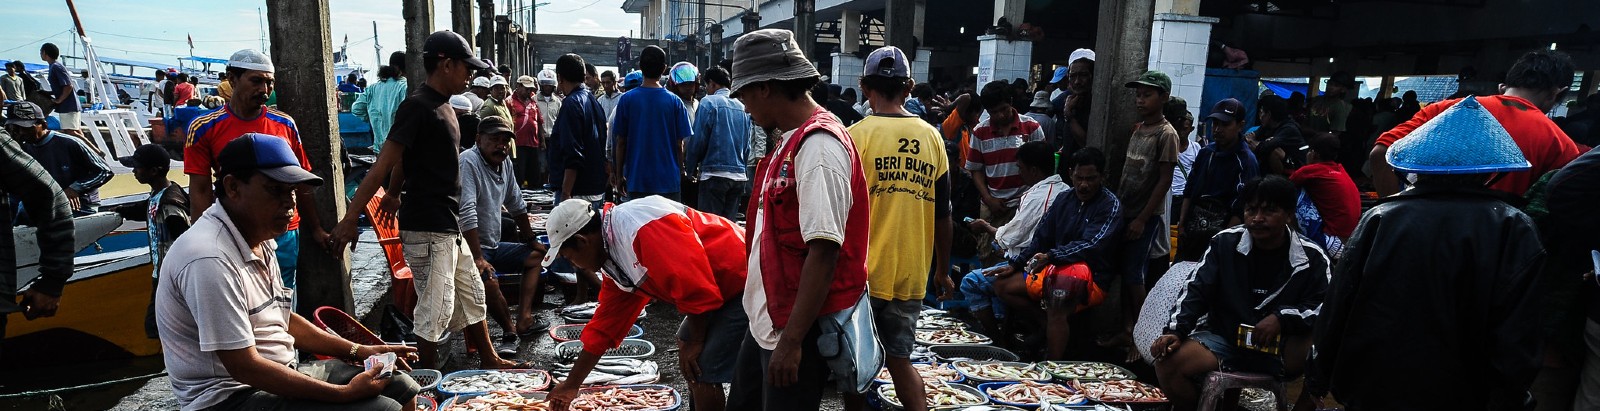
[1386, 87]
[463, 18]
[847, 70]
[1587, 88]
[805, 27]
[1313, 86]
[301, 44]
[1178, 47]
[1001, 59]
[486, 37]
[419, 24]
[849, 31]
[1122, 45]
[1012, 10]
[919, 65]
[900, 23]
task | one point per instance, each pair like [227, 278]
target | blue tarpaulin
[1285, 90]
[1242, 85]
[29, 66]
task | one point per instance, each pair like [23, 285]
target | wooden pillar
[301, 44]
[419, 24]
[462, 19]
[486, 31]
[1123, 45]
[805, 28]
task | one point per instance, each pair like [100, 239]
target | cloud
[584, 24]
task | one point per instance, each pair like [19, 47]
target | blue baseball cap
[633, 79]
[267, 154]
[1061, 74]
[887, 61]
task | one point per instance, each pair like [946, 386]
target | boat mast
[97, 84]
[377, 49]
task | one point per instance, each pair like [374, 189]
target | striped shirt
[995, 152]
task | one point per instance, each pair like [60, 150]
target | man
[591, 77]
[1329, 187]
[1573, 191]
[166, 213]
[225, 89]
[1456, 323]
[348, 85]
[799, 273]
[657, 249]
[1251, 303]
[23, 180]
[487, 186]
[991, 154]
[549, 103]
[1073, 245]
[423, 145]
[184, 91]
[1039, 111]
[228, 334]
[1532, 88]
[495, 105]
[1143, 192]
[63, 95]
[648, 130]
[248, 112]
[153, 98]
[1073, 123]
[684, 81]
[1330, 111]
[11, 84]
[577, 155]
[1279, 142]
[908, 185]
[79, 171]
[718, 145]
[529, 124]
[1219, 170]
[609, 94]
[477, 91]
[1036, 165]
[466, 120]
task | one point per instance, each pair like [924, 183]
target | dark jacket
[1220, 173]
[1571, 197]
[578, 143]
[1286, 136]
[1073, 230]
[23, 180]
[1218, 297]
[1434, 306]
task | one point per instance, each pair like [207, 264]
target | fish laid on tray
[939, 322]
[1000, 370]
[1121, 391]
[615, 371]
[928, 372]
[1097, 371]
[496, 381]
[1029, 392]
[930, 337]
[584, 312]
[939, 393]
[500, 401]
[623, 399]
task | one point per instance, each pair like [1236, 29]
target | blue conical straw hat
[1464, 139]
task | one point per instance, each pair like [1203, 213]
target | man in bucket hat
[1438, 290]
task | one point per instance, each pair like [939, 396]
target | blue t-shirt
[59, 80]
[654, 122]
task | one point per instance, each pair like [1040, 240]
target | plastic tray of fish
[643, 397]
[997, 371]
[582, 313]
[948, 337]
[537, 221]
[1121, 391]
[1068, 371]
[630, 348]
[928, 371]
[938, 392]
[615, 371]
[939, 322]
[481, 381]
[497, 401]
[539, 197]
[571, 332]
[984, 407]
[1029, 394]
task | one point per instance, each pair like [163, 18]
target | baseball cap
[445, 43]
[1060, 75]
[1152, 78]
[460, 102]
[547, 77]
[633, 79]
[25, 113]
[1227, 110]
[527, 81]
[1080, 54]
[497, 81]
[684, 72]
[480, 82]
[493, 125]
[268, 154]
[769, 54]
[250, 60]
[887, 61]
[565, 221]
[147, 156]
[1040, 100]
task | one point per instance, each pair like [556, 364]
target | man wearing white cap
[477, 90]
[495, 105]
[247, 112]
[1072, 124]
[549, 103]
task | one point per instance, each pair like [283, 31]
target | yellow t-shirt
[902, 158]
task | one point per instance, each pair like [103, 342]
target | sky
[137, 31]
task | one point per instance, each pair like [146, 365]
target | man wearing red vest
[808, 227]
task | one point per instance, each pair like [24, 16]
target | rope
[36, 393]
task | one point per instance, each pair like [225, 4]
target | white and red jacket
[663, 250]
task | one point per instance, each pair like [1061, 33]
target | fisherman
[74, 167]
[23, 180]
[657, 249]
[229, 335]
[488, 185]
[166, 213]
[63, 97]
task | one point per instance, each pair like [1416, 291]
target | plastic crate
[468, 373]
[571, 332]
[677, 399]
[985, 387]
[977, 352]
[426, 378]
[630, 348]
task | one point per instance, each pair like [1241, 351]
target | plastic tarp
[207, 60]
[1283, 89]
[135, 63]
[29, 66]
[1242, 85]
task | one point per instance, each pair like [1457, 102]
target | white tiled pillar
[847, 70]
[1001, 59]
[1178, 47]
[919, 65]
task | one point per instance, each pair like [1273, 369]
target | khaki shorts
[69, 121]
[449, 291]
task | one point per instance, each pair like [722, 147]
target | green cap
[1153, 78]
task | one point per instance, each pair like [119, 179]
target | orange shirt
[1542, 142]
[953, 126]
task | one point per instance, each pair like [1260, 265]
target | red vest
[783, 251]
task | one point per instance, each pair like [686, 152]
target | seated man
[488, 185]
[74, 166]
[228, 334]
[1036, 165]
[1259, 281]
[1071, 243]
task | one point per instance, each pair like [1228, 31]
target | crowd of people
[770, 208]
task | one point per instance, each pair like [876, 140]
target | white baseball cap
[1080, 54]
[527, 81]
[460, 102]
[564, 222]
[480, 82]
[547, 77]
[498, 81]
[249, 59]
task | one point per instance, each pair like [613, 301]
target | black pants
[752, 390]
[529, 167]
[720, 196]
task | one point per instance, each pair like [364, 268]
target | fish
[614, 371]
[496, 381]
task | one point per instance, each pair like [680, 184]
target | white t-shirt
[1180, 174]
[1015, 237]
[214, 294]
[822, 178]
